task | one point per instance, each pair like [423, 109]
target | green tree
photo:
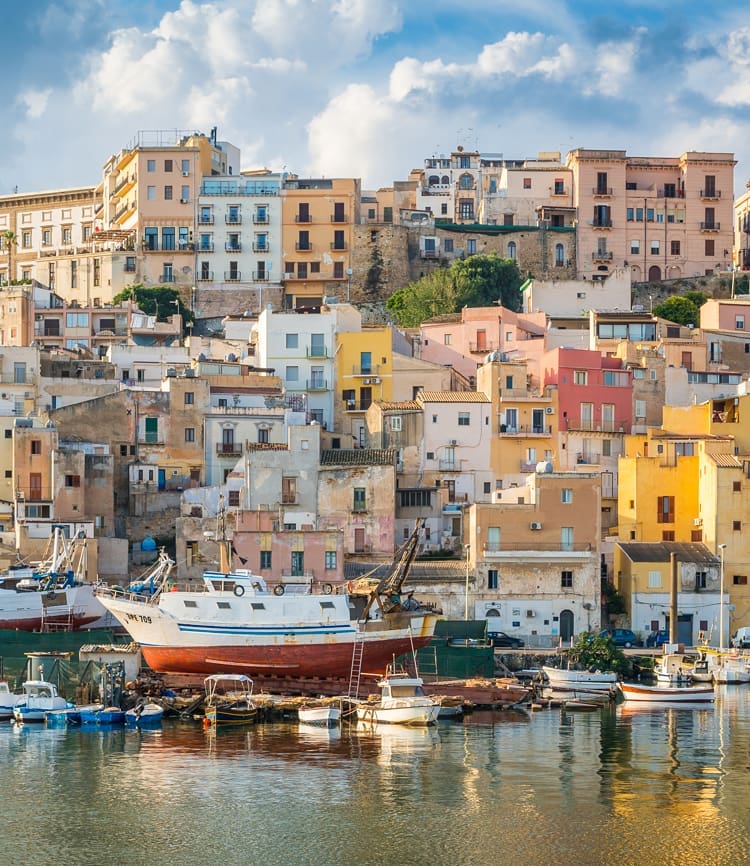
[596, 651]
[678, 309]
[483, 281]
[159, 301]
[435, 294]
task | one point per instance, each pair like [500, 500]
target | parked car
[622, 637]
[741, 638]
[657, 638]
[499, 638]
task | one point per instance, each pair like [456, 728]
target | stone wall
[234, 300]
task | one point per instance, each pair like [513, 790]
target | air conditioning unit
[549, 410]
[535, 525]
[366, 381]
[374, 381]
[530, 614]
[698, 521]
[186, 174]
[183, 201]
[288, 276]
[452, 443]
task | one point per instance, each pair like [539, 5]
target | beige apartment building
[665, 218]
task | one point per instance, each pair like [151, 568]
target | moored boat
[667, 694]
[229, 700]
[324, 714]
[144, 715]
[8, 700]
[672, 668]
[237, 622]
[402, 702]
[39, 698]
[566, 679]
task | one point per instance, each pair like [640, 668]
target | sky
[369, 88]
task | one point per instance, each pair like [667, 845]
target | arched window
[446, 180]
[466, 181]
[434, 180]
[511, 249]
[559, 255]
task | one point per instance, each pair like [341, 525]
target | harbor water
[612, 786]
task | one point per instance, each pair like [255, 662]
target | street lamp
[722, 548]
[467, 548]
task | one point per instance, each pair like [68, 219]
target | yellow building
[524, 420]
[364, 373]
[318, 216]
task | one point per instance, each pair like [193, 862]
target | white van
[741, 638]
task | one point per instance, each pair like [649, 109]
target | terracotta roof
[452, 397]
[443, 319]
[403, 406]
[659, 551]
[358, 457]
[725, 461]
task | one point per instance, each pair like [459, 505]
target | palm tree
[9, 241]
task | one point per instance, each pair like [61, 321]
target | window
[360, 502]
[512, 250]
[418, 498]
[288, 491]
[654, 248]
[168, 193]
[566, 579]
[567, 495]
[448, 245]
[25, 239]
[471, 247]
[151, 193]
[640, 408]
[151, 165]
[265, 560]
[493, 538]
[292, 374]
[72, 480]
[736, 486]
[630, 214]
[739, 580]
[292, 341]
[654, 579]
[635, 247]
[527, 183]
[700, 579]
[667, 535]
[447, 339]
[492, 578]
[189, 398]
[665, 509]
[674, 248]
[47, 238]
[613, 378]
[190, 434]
[580, 377]
[168, 165]
[338, 270]
[710, 247]
[234, 498]
[463, 419]
[739, 323]
[737, 525]
[36, 446]
[566, 538]
[330, 560]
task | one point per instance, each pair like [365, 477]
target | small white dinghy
[323, 715]
[402, 702]
[39, 698]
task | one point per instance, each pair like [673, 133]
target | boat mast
[225, 557]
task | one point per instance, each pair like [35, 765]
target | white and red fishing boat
[52, 595]
[663, 694]
[236, 622]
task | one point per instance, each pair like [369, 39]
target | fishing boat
[39, 697]
[144, 715]
[665, 694]
[672, 668]
[52, 595]
[326, 714]
[568, 680]
[237, 622]
[8, 700]
[229, 700]
[402, 702]
[721, 666]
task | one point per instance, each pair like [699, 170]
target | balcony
[670, 193]
[710, 193]
[260, 276]
[204, 276]
[601, 256]
[232, 276]
[302, 218]
[339, 218]
[710, 226]
[303, 247]
[372, 370]
[316, 352]
[205, 220]
[601, 224]
[317, 385]
[129, 267]
[206, 247]
[261, 221]
[482, 347]
[429, 254]
[357, 406]
[560, 191]
[526, 430]
[449, 466]
[589, 425]
[261, 248]
[588, 459]
[601, 191]
[167, 277]
[339, 246]
[233, 246]
[34, 494]
[229, 449]
[531, 547]
[233, 220]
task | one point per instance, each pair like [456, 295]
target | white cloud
[35, 101]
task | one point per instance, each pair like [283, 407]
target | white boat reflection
[318, 734]
[400, 735]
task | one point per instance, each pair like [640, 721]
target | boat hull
[566, 680]
[323, 716]
[417, 716]
[664, 695]
[231, 715]
[68, 609]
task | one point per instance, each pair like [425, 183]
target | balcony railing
[34, 494]
[601, 224]
[526, 430]
[601, 256]
[599, 426]
[204, 276]
[229, 449]
[233, 220]
[129, 267]
[339, 218]
[260, 276]
[261, 248]
[204, 220]
[338, 246]
[601, 190]
[303, 247]
[261, 221]
[316, 352]
[317, 385]
[206, 247]
[429, 254]
[167, 278]
[710, 226]
[481, 348]
[233, 246]
[449, 466]
[670, 193]
[544, 546]
[302, 218]
[357, 406]
[372, 370]
[588, 459]
[710, 193]
[232, 276]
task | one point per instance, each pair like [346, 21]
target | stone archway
[654, 273]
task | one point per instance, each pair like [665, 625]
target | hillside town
[563, 455]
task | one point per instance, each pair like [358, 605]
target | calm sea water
[650, 786]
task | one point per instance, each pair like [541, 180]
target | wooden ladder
[355, 673]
